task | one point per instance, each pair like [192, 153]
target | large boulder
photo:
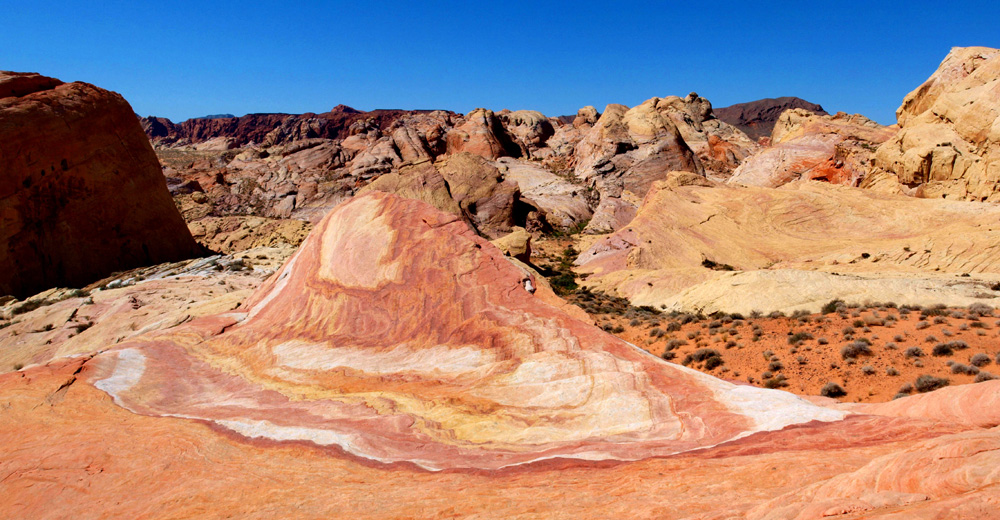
[483, 134]
[948, 144]
[81, 192]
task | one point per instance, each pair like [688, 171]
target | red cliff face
[81, 194]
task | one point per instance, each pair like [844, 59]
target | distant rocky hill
[536, 171]
[757, 118]
[270, 129]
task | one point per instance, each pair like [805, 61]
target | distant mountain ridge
[757, 118]
[272, 128]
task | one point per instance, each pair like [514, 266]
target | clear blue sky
[184, 59]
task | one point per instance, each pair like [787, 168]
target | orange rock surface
[399, 366]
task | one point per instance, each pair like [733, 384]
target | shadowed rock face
[398, 335]
[82, 193]
[757, 118]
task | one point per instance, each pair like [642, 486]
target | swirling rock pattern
[396, 343]
[398, 335]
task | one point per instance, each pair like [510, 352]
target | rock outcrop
[285, 166]
[396, 343]
[839, 149]
[948, 144]
[792, 248]
[82, 193]
[757, 118]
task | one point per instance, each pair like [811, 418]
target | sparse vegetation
[980, 360]
[855, 349]
[928, 383]
[832, 390]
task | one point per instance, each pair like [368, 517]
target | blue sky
[184, 59]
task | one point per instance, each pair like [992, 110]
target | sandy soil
[815, 357]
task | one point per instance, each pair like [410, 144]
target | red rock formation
[396, 341]
[81, 193]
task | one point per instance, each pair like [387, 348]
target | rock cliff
[82, 193]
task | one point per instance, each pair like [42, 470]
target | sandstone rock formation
[284, 166]
[396, 343]
[837, 149]
[81, 193]
[948, 144]
[756, 118]
[677, 250]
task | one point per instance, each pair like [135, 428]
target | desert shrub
[940, 320]
[913, 352]
[730, 344]
[692, 335]
[872, 321]
[713, 362]
[832, 390]
[980, 309]
[777, 381]
[907, 388]
[775, 365]
[822, 341]
[922, 325]
[702, 354]
[673, 326]
[799, 337]
[634, 323]
[959, 368]
[891, 371]
[832, 306]
[668, 355]
[942, 349]
[927, 383]
[984, 376]
[899, 396]
[847, 331]
[898, 338]
[978, 325]
[656, 332]
[801, 360]
[890, 346]
[674, 343]
[618, 330]
[980, 360]
[868, 370]
[855, 349]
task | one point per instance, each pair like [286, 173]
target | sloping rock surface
[337, 349]
[687, 234]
